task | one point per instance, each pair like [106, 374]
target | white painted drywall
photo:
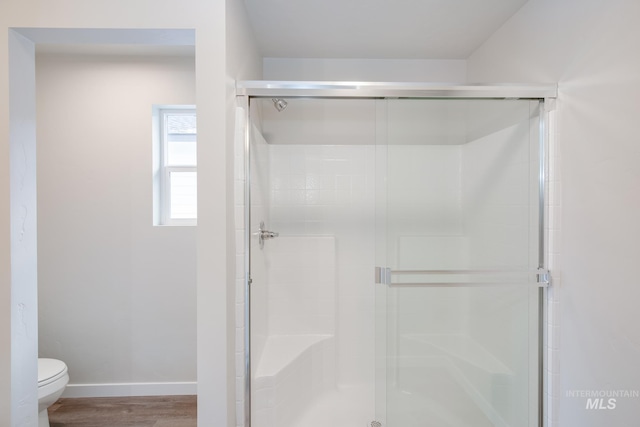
[590, 48]
[375, 70]
[5, 246]
[116, 295]
[23, 312]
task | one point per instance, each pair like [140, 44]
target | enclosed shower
[395, 254]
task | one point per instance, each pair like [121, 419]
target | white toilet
[52, 379]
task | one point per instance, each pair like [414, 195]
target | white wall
[590, 49]
[22, 313]
[208, 21]
[116, 295]
[375, 70]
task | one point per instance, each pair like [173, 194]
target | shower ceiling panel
[381, 29]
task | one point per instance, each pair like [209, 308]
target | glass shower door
[459, 241]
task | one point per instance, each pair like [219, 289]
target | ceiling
[101, 41]
[132, 50]
[376, 29]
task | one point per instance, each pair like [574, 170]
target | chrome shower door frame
[248, 90]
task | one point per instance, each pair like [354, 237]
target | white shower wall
[260, 184]
[499, 203]
[496, 195]
[302, 285]
[465, 204]
[312, 289]
[425, 231]
[328, 190]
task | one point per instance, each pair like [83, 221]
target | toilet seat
[50, 370]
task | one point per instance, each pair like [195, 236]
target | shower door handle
[383, 275]
[264, 234]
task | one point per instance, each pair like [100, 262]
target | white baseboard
[130, 389]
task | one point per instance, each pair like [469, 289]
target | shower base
[441, 381]
[343, 407]
[445, 404]
[438, 401]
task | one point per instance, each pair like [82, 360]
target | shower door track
[294, 89]
[248, 89]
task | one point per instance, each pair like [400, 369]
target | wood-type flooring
[153, 411]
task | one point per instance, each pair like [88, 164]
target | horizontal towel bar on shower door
[462, 278]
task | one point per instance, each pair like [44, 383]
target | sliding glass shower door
[441, 194]
[459, 228]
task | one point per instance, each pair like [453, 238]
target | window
[175, 173]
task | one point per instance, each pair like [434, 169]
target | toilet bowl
[52, 379]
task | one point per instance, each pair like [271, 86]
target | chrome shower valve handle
[264, 234]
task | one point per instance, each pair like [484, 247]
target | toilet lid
[50, 370]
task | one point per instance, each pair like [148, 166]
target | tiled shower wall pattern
[238, 217]
[239, 207]
[321, 189]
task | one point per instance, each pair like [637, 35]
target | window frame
[162, 214]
